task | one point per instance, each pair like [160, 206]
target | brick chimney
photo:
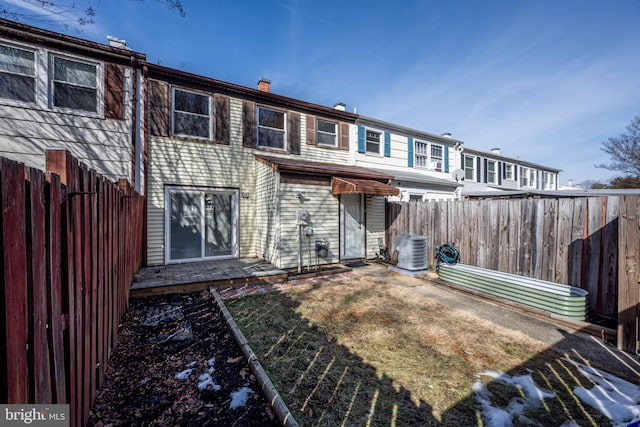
[264, 85]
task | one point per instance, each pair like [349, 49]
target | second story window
[436, 158]
[74, 85]
[549, 181]
[17, 74]
[191, 115]
[509, 171]
[492, 175]
[428, 156]
[271, 130]
[327, 133]
[372, 141]
[469, 168]
[527, 178]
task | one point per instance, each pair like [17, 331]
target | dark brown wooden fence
[579, 241]
[71, 243]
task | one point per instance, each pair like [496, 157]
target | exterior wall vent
[411, 250]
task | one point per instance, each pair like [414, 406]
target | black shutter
[486, 171]
[222, 114]
[249, 124]
[159, 105]
[499, 172]
[293, 132]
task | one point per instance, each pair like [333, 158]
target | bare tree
[625, 151]
[68, 14]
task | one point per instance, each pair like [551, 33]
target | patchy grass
[363, 352]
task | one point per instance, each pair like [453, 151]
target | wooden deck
[194, 276]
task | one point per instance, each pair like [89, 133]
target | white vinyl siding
[267, 214]
[375, 222]
[181, 163]
[324, 213]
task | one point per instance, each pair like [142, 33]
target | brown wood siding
[311, 130]
[249, 124]
[159, 106]
[343, 142]
[114, 91]
[222, 118]
[293, 134]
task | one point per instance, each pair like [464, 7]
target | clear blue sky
[545, 81]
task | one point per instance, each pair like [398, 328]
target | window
[201, 223]
[271, 128]
[327, 133]
[508, 171]
[428, 156]
[191, 115]
[74, 85]
[492, 176]
[436, 158]
[372, 140]
[527, 178]
[549, 181]
[17, 74]
[422, 154]
[469, 168]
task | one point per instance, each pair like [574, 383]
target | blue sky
[545, 81]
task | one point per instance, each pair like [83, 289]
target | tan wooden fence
[71, 243]
[588, 242]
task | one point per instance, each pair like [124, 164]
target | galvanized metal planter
[563, 300]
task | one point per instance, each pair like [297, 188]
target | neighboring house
[422, 163]
[492, 171]
[229, 169]
[63, 92]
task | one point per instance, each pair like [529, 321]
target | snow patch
[207, 382]
[184, 374]
[212, 365]
[240, 397]
[615, 398]
[531, 398]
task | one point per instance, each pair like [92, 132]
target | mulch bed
[161, 337]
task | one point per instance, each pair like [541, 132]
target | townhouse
[230, 171]
[64, 92]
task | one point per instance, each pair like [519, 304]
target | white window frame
[494, 172]
[320, 132]
[174, 112]
[549, 180]
[235, 252]
[527, 177]
[473, 170]
[99, 88]
[423, 157]
[34, 76]
[366, 141]
[283, 130]
[509, 171]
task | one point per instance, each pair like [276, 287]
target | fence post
[14, 278]
[628, 273]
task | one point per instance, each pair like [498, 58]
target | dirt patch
[177, 364]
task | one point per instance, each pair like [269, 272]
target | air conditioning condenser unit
[412, 251]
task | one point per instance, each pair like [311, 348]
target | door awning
[344, 185]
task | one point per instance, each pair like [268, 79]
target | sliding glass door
[200, 224]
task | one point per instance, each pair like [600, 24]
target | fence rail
[588, 242]
[71, 243]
